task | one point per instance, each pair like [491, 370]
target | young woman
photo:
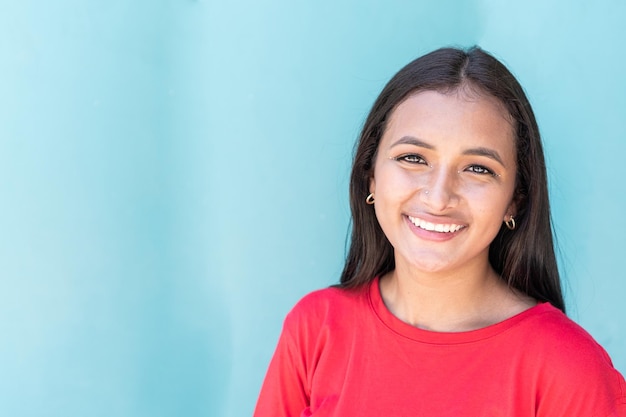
[450, 301]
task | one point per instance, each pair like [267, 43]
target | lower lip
[432, 235]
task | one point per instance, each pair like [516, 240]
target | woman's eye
[479, 169]
[411, 158]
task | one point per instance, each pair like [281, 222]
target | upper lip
[437, 226]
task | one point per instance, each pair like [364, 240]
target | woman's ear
[511, 211]
[372, 187]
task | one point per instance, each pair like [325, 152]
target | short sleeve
[284, 393]
[581, 380]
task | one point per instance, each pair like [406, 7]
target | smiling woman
[452, 177]
[450, 300]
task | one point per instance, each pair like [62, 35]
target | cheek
[392, 182]
[489, 205]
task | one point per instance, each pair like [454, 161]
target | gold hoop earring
[370, 199]
[510, 224]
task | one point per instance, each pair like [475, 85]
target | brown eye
[411, 158]
[481, 170]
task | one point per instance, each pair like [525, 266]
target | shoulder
[327, 304]
[569, 363]
[322, 319]
[557, 336]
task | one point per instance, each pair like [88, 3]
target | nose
[440, 192]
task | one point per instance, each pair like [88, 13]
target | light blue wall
[173, 177]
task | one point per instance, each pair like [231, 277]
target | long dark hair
[523, 257]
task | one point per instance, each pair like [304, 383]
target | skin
[448, 162]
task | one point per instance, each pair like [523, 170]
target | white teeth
[441, 228]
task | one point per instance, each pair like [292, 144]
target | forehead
[457, 116]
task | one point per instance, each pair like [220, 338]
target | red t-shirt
[342, 353]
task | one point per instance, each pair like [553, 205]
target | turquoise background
[173, 178]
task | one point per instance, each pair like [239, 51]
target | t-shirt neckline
[427, 336]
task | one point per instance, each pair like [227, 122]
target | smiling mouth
[432, 227]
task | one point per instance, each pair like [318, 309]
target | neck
[452, 301]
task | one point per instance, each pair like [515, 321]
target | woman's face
[444, 178]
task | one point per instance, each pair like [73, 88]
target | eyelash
[405, 158]
[412, 158]
[482, 169]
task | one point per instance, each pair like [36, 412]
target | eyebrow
[489, 153]
[480, 151]
[411, 140]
